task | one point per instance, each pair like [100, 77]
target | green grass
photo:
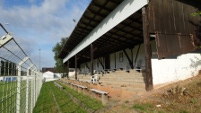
[88, 101]
[66, 104]
[46, 104]
[143, 107]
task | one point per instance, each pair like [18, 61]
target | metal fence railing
[20, 80]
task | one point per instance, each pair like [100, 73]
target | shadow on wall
[155, 56]
[197, 51]
[195, 62]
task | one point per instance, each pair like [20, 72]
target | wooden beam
[129, 60]
[67, 71]
[115, 61]
[132, 55]
[101, 63]
[92, 58]
[75, 67]
[149, 78]
[137, 54]
[87, 65]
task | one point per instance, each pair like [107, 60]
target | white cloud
[43, 24]
[32, 1]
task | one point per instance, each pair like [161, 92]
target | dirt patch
[180, 97]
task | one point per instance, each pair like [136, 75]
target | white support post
[19, 84]
[18, 90]
[32, 93]
[27, 90]
[32, 89]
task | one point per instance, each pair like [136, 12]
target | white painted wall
[84, 68]
[48, 75]
[57, 75]
[164, 71]
[97, 64]
[175, 68]
[124, 64]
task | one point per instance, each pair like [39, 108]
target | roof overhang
[124, 10]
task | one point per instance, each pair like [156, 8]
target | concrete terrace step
[83, 77]
[124, 71]
[122, 74]
[123, 84]
[133, 76]
[123, 80]
[114, 78]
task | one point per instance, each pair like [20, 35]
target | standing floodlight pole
[19, 84]
[27, 89]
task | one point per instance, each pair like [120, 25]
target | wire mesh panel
[8, 88]
[23, 96]
[29, 96]
[20, 80]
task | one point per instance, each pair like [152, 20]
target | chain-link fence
[20, 80]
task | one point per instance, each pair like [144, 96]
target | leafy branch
[196, 13]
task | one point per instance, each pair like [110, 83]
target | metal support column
[149, 79]
[32, 89]
[27, 89]
[19, 84]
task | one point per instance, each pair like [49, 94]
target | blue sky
[40, 24]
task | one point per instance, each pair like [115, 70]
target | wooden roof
[128, 33]
[125, 35]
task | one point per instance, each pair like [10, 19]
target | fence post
[32, 89]
[19, 84]
[27, 89]
[34, 102]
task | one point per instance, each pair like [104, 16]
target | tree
[197, 41]
[198, 13]
[59, 62]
